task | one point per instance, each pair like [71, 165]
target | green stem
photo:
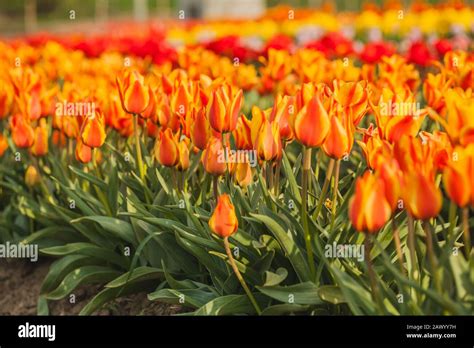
[304, 210]
[215, 187]
[138, 148]
[277, 178]
[411, 244]
[334, 194]
[431, 254]
[398, 244]
[325, 188]
[270, 176]
[452, 222]
[239, 276]
[467, 236]
[373, 281]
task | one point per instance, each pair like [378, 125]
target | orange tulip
[268, 142]
[167, 149]
[283, 110]
[69, 125]
[6, 99]
[243, 134]
[223, 108]
[23, 134]
[352, 97]
[459, 122]
[422, 197]
[390, 173]
[434, 91]
[200, 128]
[183, 162]
[3, 144]
[40, 145]
[243, 174]
[83, 152]
[458, 176]
[133, 93]
[32, 177]
[397, 114]
[93, 131]
[223, 221]
[340, 138]
[150, 110]
[58, 138]
[369, 208]
[211, 155]
[311, 125]
[374, 149]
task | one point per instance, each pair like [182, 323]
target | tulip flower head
[223, 220]
[369, 208]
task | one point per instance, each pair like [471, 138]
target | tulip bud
[340, 138]
[93, 132]
[23, 134]
[183, 162]
[369, 209]
[166, 149]
[32, 177]
[40, 145]
[243, 174]
[223, 108]
[223, 221]
[83, 152]
[200, 129]
[213, 157]
[311, 124]
[133, 93]
[458, 177]
[268, 142]
[423, 198]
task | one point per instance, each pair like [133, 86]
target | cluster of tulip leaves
[106, 226]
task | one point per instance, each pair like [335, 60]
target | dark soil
[20, 283]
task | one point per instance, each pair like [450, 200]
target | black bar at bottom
[289, 330]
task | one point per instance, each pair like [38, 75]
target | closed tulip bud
[133, 93]
[340, 138]
[32, 177]
[458, 176]
[83, 152]
[150, 110]
[243, 174]
[223, 108]
[268, 142]
[422, 197]
[223, 221]
[183, 163]
[93, 131]
[390, 173]
[3, 144]
[23, 134]
[40, 145]
[212, 157]
[200, 129]
[369, 209]
[311, 124]
[166, 149]
[283, 110]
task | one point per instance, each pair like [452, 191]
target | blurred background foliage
[51, 12]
